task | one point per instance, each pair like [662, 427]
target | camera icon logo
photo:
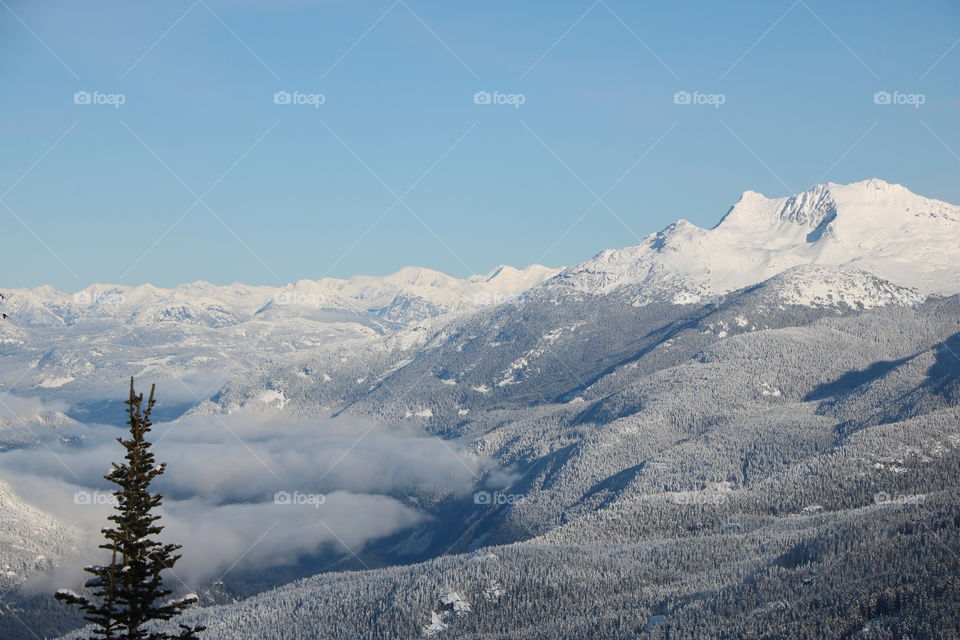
[882, 97]
[482, 97]
[282, 497]
[82, 97]
[282, 97]
[82, 497]
[482, 497]
[681, 97]
[82, 297]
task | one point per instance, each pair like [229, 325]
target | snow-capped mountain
[733, 398]
[856, 246]
[411, 294]
[833, 250]
[422, 292]
[864, 230]
[59, 342]
[869, 227]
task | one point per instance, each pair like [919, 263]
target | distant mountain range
[408, 295]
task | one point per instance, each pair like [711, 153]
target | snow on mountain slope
[22, 413]
[66, 345]
[510, 281]
[413, 293]
[199, 303]
[654, 421]
[11, 334]
[765, 259]
[858, 246]
[869, 227]
[814, 285]
[30, 540]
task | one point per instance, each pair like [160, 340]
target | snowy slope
[610, 421]
[869, 227]
[813, 285]
[30, 539]
[59, 344]
[409, 295]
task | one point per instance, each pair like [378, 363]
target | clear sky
[200, 175]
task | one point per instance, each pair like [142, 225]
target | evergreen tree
[129, 592]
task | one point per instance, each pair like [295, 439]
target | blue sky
[199, 174]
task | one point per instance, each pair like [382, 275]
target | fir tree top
[129, 593]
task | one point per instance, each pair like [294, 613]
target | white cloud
[223, 472]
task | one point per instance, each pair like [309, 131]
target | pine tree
[129, 592]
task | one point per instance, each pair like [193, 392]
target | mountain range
[746, 431]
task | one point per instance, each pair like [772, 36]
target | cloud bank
[250, 490]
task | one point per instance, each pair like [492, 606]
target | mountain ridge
[220, 306]
[871, 226]
[650, 417]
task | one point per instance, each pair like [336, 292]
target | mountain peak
[749, 194]
[501, 270]
[817, 207]
[871, 225]
[809, 208]
[873, 184]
